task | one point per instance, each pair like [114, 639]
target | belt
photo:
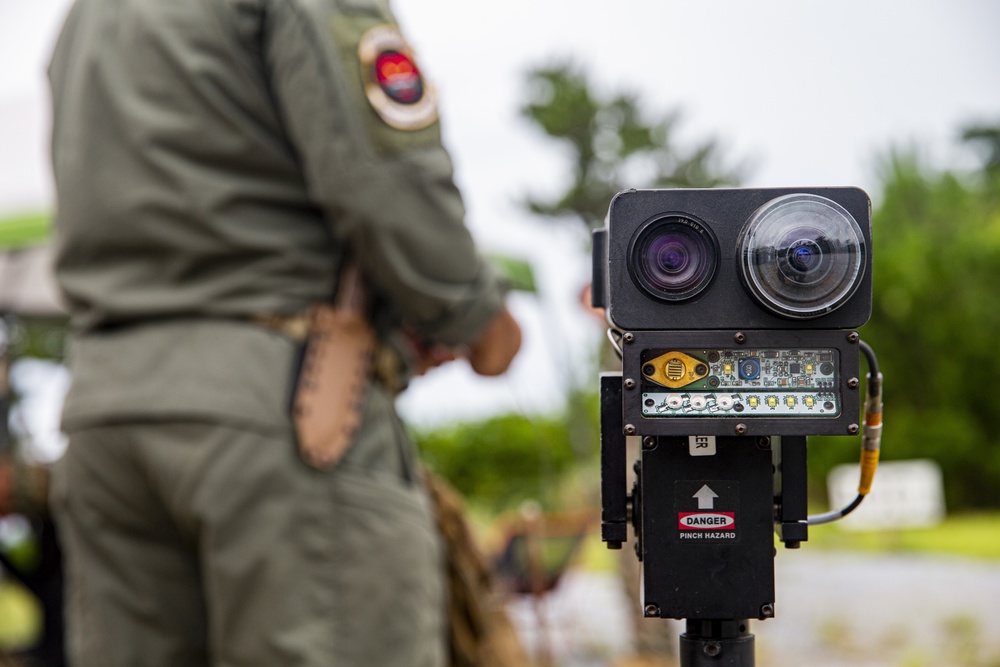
[294, 326]
[389, 365]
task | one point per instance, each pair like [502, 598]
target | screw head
[741, 429]
[629, 429]
[649, 442]
[630, 383]
[853, 383]
[740, 337]
[853, 429]
[853, 337]
[713, 649]
[651, 610]
[763, 442]
[629, 337]
[767, 611]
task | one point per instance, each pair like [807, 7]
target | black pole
[717, 643]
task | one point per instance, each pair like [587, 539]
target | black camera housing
[724, 300]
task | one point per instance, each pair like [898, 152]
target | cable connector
[871, 443]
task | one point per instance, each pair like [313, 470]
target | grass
[20, 616]
[969, 535]
[24, 230]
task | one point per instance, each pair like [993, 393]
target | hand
[494, 350]
[428, 355]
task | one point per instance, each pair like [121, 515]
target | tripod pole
[714, 643]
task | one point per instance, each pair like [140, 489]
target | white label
[701, 445]
[905, 494]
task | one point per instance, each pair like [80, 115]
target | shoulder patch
[393, 83]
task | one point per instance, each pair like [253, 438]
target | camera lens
[802, 255]
[673, 258]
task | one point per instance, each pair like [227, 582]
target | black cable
[836, 515]
[872, 360]
[873, 403]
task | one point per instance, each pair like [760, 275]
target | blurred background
[549, 108]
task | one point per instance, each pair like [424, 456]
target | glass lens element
[674, 258]
[802, 255]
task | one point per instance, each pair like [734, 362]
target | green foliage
[517, 272]
[38, 337]
[24, 230]
[967, 535]
[935, 322]
[499, 462]
[613, 146]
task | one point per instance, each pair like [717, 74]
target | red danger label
[706, 520]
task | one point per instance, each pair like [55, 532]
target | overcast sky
[808, 93]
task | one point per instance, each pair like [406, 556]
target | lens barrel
[802, 255]
[674, 257]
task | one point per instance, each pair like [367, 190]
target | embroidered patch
[393, 83]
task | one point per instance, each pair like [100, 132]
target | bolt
[740, 337]
[741, 429]
[853, 429]
[649, 442]
[651, 610]
[713, 649]
[853, 383]
[630, 383]
[763, 442]
[629, 429]
[629, 337]
[853, 337]
[767, 611]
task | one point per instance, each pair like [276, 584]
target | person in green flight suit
[217, 163]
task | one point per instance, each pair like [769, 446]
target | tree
[935, 319]
[613, 145]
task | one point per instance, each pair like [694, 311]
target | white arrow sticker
[706, 498]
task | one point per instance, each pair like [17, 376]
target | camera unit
[733, 311]
[764, 258]
[735, 308]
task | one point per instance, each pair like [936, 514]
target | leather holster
[335, 375]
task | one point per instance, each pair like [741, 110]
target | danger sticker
[715, 521]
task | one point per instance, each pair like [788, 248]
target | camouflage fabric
[480, 632]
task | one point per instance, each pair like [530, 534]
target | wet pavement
[833, 610]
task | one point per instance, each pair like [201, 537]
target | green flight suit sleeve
[388, 192]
